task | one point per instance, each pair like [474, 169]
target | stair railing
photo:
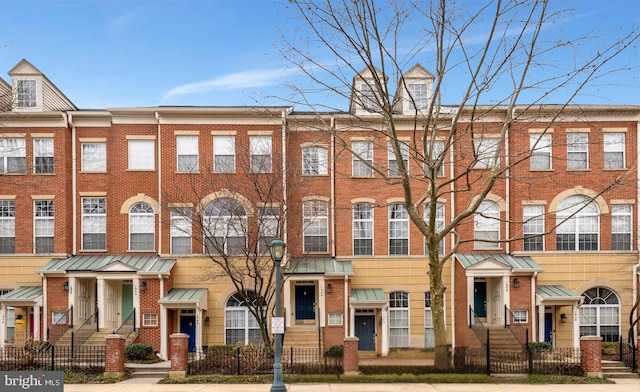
[128, 325]
[519, 331]
[84, 332]
[60, 325]
[478, 327]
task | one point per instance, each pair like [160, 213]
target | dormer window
[26, 93]
[418, 96]
[368, 96]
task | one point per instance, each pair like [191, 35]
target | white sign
[277, 325]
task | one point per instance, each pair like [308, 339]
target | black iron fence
[628, 354]
[556, 361]
[40, 355]
[256, 359]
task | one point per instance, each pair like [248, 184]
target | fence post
[291, 358]
[238, 361]
[73, 334]
[620, 346]
[53, 357]
[350, 363]
[591, 356]
[488, 353]
[114, 357]
[470, 317]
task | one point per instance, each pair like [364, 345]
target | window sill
[541, 170]
[93, 250]
[616, 169]
[141, 251]
[225, 172]
[191, 172]
[141, 170]
[93, 172]
[316, 175]
[44, 174]
[579, 170]
[356, 177]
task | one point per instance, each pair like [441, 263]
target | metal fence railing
[556, 361]
[628, 354]
[255, 359]
[40, 355]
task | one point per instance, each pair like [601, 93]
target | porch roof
[185, 297]
[556, 294]
[319, 265]
[368, 296]
[25, 294]
[140, 263]
[516, 263]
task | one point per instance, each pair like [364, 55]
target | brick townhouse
[96, 212]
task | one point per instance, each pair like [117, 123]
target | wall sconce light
[207, 321]
[19, 317]
[516, 283]
[143, 286]
[329, 288]
[65, 286]
[563, 318]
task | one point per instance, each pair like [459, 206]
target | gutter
[74, 184]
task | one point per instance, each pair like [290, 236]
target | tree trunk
[442, 357]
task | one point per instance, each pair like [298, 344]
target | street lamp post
[277, 248]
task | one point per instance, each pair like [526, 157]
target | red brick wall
[520, 298]
[57, 298]
[462, 310]
[149, 304]
[334, 302]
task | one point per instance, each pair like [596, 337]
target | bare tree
[487, 58]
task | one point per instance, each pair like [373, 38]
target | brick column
[591, 356]
[350, 362]
[179, 349]
[114, 356]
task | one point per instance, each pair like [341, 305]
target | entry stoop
[616, 369]
[302, 337]
[152, 370]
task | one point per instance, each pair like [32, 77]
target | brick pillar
[179, 349]
[350, 362]
[114, 356]
[591, 356]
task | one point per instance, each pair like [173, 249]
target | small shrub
[335, 352]
[138, 351]
[540, 345]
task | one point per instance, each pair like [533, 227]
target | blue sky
[195, 52]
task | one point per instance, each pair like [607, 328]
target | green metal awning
[371, 298]
[23, 296]
[319, 265]
[556, 295]
[516, 263]
[110, 263]
[185, 298]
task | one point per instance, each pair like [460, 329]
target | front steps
[154, 370]
[96, 339]
[616, 369]
[307, 337]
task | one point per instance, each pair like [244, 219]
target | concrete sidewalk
[621, 385]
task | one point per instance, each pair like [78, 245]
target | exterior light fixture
[65, 286]
[329, 288]
[516, 283]
[143, 286]
[563, 318]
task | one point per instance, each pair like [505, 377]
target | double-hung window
[13, 156]
[394, 165]
[94, 157]
[621, 226]
[26, 93]
[578, 221]
[141, 154]
[94, 223]
[432, 161]
[614, 151]
[577, 150]
[43, 156]
[224, 153]
[7, 226]
[439, 224]
[314, 160]
[398, 230]
[417, 96]
[141, 227]
[181, 230]
[315, 221]
[187, 150]
[363, 154]
[269, 223]
[486, 149]
[429, 336]
[398, 319]
[260, 147]
[362, 229]
[487, 225]
[225, 224]
[369, 97]
[540, 145]
[533, 216]
[43, 226]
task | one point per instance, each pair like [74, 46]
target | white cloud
[238, 80]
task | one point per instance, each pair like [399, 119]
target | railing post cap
[591, 338]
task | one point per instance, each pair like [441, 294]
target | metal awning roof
[110, 263]
[374, 297]
[185, 298]
[319, 265]
[25, 296]
[516, 263]
[556, 295]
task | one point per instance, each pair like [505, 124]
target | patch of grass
[146, 361]
[90, 378]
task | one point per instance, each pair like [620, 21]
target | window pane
[94, 157]
[224, 148]
[614, 151]
[141, 154]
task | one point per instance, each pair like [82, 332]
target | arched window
[225, 226]
[142, 227]
[600, 314]
[487, 225]
[240, 326]
[577, 218]
[398, 319]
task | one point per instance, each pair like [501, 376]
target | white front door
[111, 303]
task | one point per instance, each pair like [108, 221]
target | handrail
[480, 330]
[128, 323]
[60, 326]
[84, 332]
[519, 331]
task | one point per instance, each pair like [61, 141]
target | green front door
[127, 300]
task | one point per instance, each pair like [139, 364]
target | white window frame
[26, 94]
[486, 148]
[187, 154]
[225, 223]
[540, 147]
[314, 160]
[13, 155]
[246, 322]
[577, 150]
[358, 167]
[621, 225]
[520, 316]
[181, 229]
[363, 227]
[429, 335]
[59, 317]
[399, 319]
[368, 98]
[394, 168]
[487, 225]
[7, 226]
[261, 149]
[268, 227]
[43, 225]
[533, 218]
[602, 305]
[142, 224]
[418, 96]
[577, 216]
[224, 154]
[315, 226]
[440, 219]
[43, 156]
[94, 221]
[335, 319]
[94, 157]
[398, 229]
[614, 146]
[149, 319]
[141, 154]
[436, 152]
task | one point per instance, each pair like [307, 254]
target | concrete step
[154, 370]
[616, 369]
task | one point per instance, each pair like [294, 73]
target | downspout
[507, 211]
[283, 142]
[333, 189]
[637, 266]
[74, 184]
[347, 317]
[159, 186]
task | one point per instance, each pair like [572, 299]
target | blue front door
[305, 302]
[365, 331]
[548, 327]
[188, 326]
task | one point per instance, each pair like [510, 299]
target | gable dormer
[32, 91]
[365, 97]
[416, 90]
